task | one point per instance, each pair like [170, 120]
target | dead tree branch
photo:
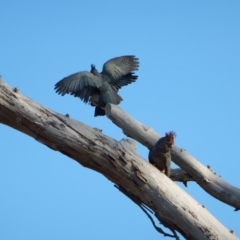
[116, 160]
[210, 182]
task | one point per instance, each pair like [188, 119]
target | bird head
[93, 67]
[170, 138]
[94, 71]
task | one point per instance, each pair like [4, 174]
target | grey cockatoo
[100, 88]
[160, 155]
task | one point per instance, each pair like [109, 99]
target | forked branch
[116, 160]
[210, 182]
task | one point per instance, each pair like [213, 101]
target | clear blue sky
[188, 82]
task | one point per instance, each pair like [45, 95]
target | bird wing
[81, 84]
[119, 68]
[108, 95]
[124, 80]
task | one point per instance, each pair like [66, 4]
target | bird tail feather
[99, 112]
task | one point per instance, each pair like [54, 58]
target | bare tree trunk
[119, 162]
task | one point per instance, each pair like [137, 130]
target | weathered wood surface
[116, 160]
[204, 176]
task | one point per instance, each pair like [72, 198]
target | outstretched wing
[124, 80]
[81, 84]
[120, 67]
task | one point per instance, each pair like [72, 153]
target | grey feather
[116, 73]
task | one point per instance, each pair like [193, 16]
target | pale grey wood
[179, 175]
[210, 182]
[116, 160]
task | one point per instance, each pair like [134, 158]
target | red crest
[170, 138]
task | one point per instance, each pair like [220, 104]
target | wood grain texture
[116, 160]
[204, 176]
